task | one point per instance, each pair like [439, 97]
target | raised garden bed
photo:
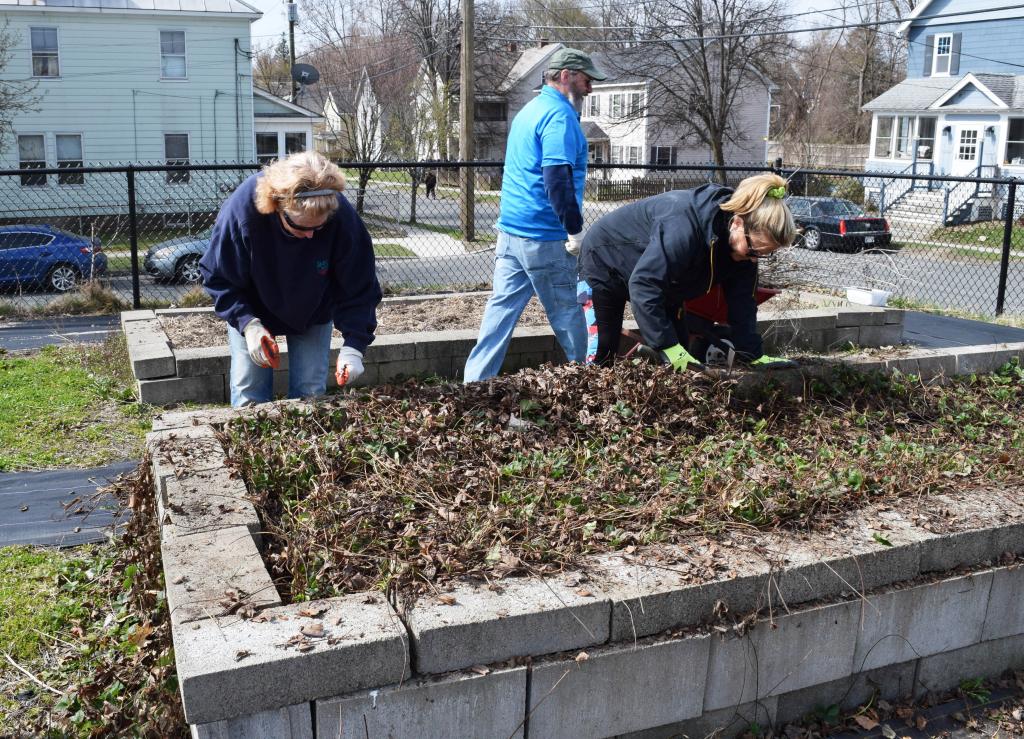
[861, 536]
[174, 370]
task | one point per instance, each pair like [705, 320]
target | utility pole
[466, 106]
[293, 16]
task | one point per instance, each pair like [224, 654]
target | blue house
[959, 112]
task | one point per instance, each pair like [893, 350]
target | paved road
[34, 334]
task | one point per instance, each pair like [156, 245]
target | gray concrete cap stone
[916, 622]
[293, 722]
[136, 315]
[458, 706]
[231, 667]
[803, 649]
[207, 500]
[860, 316]
[209, 573]
[171, 390]
[528, 617]
[617, 690]
[206, 360]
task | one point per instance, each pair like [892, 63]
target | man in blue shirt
[540, 228]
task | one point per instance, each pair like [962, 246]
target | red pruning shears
[342, 377]
[271, 351]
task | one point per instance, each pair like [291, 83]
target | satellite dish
[305, 74]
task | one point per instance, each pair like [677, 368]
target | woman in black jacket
[661, 251]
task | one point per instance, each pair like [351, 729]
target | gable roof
[527, 62]
[282, 108]
[160, 6]
[925, 92]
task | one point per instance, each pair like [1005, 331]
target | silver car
[178, 258]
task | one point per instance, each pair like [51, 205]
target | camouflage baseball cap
[566, 58]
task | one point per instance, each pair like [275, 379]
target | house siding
[987, 45]
[110, 89]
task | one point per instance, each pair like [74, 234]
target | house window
[943, 54]
[595, 153]
[617, 105]
[633, 154]
[616, 155]
[172, 55]
[1015, 142]
[44, 53]
[663, 155]
[32, 155]
[883, 137]
[294, 142]
[593, 106]
[69, 154]
[968, 149]
[925, 138]
[176, 152]
[266, 147]
[634, 103]
[490, 110]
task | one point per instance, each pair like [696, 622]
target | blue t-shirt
[545, 133]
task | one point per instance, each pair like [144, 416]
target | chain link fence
[134, 233]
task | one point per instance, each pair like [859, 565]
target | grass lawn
[71, 406]
[392, 250]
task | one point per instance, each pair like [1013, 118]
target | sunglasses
[304, 229]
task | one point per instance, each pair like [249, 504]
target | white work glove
[262, 347]
[575, 243]
[350, 365]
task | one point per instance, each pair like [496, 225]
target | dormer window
[943, 54]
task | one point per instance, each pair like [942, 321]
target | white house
[144, 81]
[959, 112]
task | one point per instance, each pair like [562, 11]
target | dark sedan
[834, 223]
[36, 254]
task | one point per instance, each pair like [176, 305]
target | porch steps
[918, 206]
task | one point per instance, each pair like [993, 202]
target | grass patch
[91, 297]
[987, 233]
[122, 263]
[70, 406]
[392, 250]
[441, 482]
[196, 297]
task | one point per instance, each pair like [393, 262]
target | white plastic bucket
[868, 296]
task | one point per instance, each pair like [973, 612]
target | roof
[594, 132]
[526, 63]
[288, 109]
[920, 93]
[184, 6]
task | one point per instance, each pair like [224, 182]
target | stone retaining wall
[167, 375]
[645, 644]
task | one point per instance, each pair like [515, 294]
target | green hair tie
[777, 192]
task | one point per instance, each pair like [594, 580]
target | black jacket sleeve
[739, 295]
[669, 254]
[562, 195]
[355, 277]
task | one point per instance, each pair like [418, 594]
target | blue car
[44, 255]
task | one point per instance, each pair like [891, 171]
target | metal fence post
[1004, 261]
[133, 237]
[881, 198]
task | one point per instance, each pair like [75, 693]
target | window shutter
[929, 52]
[954, 57]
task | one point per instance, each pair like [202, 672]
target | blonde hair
[302, 172]
[761, 212]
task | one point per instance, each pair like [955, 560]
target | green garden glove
[679, 358]
[767, 362]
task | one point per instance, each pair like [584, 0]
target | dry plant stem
[30, 676]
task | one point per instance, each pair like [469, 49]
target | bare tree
[16, 96]
[271, 68]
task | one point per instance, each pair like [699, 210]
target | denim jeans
[308, 357]
[523, 267]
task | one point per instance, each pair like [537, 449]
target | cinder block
[804, 648]
[843, 337]
[183, 448]
[860, 316]
[935, 364]
[387, 348]
[527, 617]
[916, 622]
[206, 500]
[1005, 613]
[893, 682]
[230, 667]
[515, 360]
[864, 364]
[169, 420]
[136, 315]
[882, 335]
[906, 365]
[987, 659]
[894, 315]
[532, 339]
[618, 690]
[206, 389]
[725, 723]
[404, 369]
[459, 706]
[977, 359]
[431, 344]
[291, 722]
[202, 570]
[151, 361]
[207, 360]
[650, 597]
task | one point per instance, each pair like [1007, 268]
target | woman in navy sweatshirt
[661, 251]
[290, 256]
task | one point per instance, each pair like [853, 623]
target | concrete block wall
[167, 375]
[639, 644]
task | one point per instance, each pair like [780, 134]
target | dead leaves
[447, 600]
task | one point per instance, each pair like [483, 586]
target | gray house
[959, 112]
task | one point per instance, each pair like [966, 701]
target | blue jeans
[523, 267]
[308, 356]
